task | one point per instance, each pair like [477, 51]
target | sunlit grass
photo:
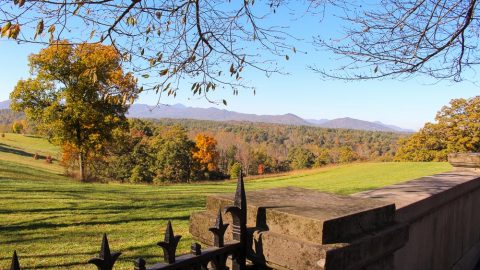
[55, 222]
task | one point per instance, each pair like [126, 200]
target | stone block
[465, 161]
[310, 215]
[295, 228]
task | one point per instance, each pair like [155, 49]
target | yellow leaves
[5, 28]
[206, 151]
[10, 30]
[14, 31]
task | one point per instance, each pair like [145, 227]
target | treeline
[158, 151]
[456, 129]
[11, 121]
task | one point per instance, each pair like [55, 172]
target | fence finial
[140, 264]
[218, 230]
[239, 228]
[169, 244]
[15, 263]
[196, 249]
[106, 260]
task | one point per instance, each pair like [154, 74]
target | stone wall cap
[309, 214]
[464, 160]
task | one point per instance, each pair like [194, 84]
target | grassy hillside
[55, 222]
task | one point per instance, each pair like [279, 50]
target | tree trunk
[81, 166]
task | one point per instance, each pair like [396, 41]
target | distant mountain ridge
[351, 123]
[180, 111]
[5, 104]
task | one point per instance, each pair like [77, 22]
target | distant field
[56, 223]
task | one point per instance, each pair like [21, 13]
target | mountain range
[179, 111]
[5, 104]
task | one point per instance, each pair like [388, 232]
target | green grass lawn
[56, 223]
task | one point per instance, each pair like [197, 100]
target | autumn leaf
[5, 29]
[14, 31]
[163, 72]
[39, 29]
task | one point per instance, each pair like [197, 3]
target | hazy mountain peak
[5, 104]
[352, 123]
[180, 111]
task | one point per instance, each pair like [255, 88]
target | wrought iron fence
[210, 258]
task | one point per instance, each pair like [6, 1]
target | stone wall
[427, 223]
[442, 213]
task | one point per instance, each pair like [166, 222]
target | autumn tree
[322, 157]
[260, 163]
[347, 155]
[301, 158]
[206, 152]
[235, 170]
[173, 156]
[457, 129]
[77, 94]
[18, 127]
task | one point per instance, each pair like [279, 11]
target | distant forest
[8, 118]
[270, 148]
[134, 155]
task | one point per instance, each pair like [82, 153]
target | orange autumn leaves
[206, 152]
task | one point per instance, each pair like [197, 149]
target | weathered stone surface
[465, 161]
[309, 215]
[294, 228]
[422, 194]
[373, 251]
[284, 252]
[441, 212]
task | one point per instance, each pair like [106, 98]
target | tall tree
[301, 158]
[457, 129]
[173, 160]
[206, 152]
[77, 94]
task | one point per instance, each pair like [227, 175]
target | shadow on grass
[6, 149]
[48, 225]
[113, 209]
[146, 251]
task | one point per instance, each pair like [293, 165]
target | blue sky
[408, 104]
